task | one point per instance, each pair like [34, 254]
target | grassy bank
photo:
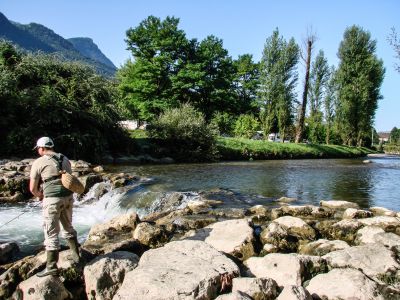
[240, 149]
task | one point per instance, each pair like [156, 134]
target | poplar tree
[278, 77]
[359, 77]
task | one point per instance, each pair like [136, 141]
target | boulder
[234, 237]
[374, 234]
[373, 259]
[150, 235]
[104, 274]
[90, 180]
[8, 250]
[256, 288]
[322, 247]
[353, 213]
[179, 270]
[386, 223]
[345, 230]
[285, 269]
[234, 296]
[278, 236]
[120, 224]
[338, 204]
[344, 283]
[42, 288]
[293, 292]
[297, 227]
[382, 211]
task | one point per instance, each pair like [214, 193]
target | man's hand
[34, 188]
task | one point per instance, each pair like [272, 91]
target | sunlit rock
[104, 274]
[293, 292]
[382, 211]
[338, 204]
[38, 288]
[256, 288]
[344, 283]
[322, 247]
[190, 268]
[150, 235]
[352, 213]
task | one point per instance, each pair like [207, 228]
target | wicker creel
[72, 183]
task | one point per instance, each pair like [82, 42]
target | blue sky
[242, 25]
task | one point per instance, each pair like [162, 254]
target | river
[255, 182]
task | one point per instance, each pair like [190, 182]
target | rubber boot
[51, 264]
[74, 247]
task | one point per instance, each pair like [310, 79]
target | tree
[278, 76]
[395, 136]
[359, 77]
[395, 43]
[330, 102]
[159, 50]
[300, 126]
[246, 83]
[318, 81]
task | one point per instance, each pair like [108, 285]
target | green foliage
[395, 136]
[278, 77]
[246, 126]
[224, 122]
[359, 78]
[42, 96]
[185, 134]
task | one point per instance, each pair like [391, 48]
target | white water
[26, 229]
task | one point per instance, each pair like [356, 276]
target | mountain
[36, 37]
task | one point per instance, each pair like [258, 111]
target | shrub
[224, 122]
[246, 126]
[185, 134]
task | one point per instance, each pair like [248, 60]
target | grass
[240, 148]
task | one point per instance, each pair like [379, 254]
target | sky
[243, 26]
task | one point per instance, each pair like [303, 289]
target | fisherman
[57, 203]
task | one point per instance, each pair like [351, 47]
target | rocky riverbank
[202, 250]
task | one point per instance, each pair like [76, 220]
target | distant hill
[36, 37]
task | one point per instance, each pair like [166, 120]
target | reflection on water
[374, 184]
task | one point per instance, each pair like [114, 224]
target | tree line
[339, 103]
[41, 95]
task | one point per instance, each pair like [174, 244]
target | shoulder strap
[59, 160]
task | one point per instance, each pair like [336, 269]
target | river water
[256, 182]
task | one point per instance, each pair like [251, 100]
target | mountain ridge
[35, 37]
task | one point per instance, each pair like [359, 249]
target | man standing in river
[57, 202]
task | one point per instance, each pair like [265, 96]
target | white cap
[45, 142]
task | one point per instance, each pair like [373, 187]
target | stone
[373, 234]
[322, 247]
[366, 235]
[234, 296]
[234, 237]
[104, 274]
[256, 288]
[278, 236]
[345, 230]
[150, 235]
[297, 227]
[39, 288]
[120, 224]
[286, 199]
[98, 169]
[338, 204]
[293, 292]
[352, 213]
[8, 250]
[269, 248]
[382, 211]
[285, 269]
[344, 283]
[373, 259]
[179, 270]
[385, 222]
[90, 180]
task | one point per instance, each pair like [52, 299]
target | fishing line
[34, 206]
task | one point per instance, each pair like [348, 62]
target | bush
[246, 126]
[224, 122]
[185, 134]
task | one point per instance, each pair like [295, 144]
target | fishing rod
[26, 210]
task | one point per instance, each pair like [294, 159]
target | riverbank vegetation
[199, 86]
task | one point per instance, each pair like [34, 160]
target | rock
[234, 296]
[367, 161]
[382, 211]
[278, 236]
[104, 274]
[345, 230]
[322, 247]
[121, 243]
[268, 248]
[168, 202]
[344, 284]
[286, 199]
[182, 269]
[352, 213]
[234, 237]
[8, 250]
[98, 169]
[373, 259]
[385, 222]
[259, 210]
[297, 227]
[335, 204]
[285, 269]
[374, 234]
[90, 180]
[292, 292]
[12, 199]
[38, 288]
[256, 288]
[120, 224]
[150, 235]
